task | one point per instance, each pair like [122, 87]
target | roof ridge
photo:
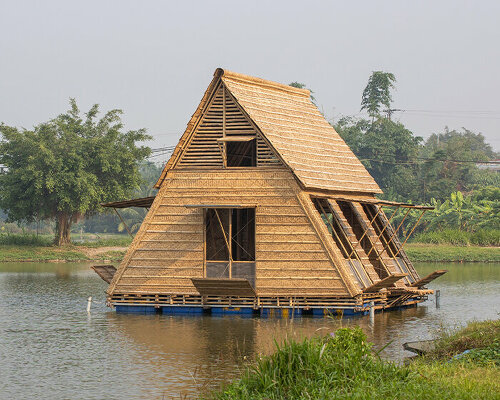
[224, 73]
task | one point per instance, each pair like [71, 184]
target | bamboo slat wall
[168, 250]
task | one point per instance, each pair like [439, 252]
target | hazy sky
[154, 59]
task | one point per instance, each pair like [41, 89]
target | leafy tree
[377, 92]
[388, 151]
[446, 169]
[150, 172]
[108, 221]
[65, 167]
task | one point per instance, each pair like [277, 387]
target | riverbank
[112, 250]
[344, 366]
[70, 253]
[448, 253]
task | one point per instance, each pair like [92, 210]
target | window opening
[241, 153]
[230, 243]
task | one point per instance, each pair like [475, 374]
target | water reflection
[51, 348]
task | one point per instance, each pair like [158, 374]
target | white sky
[154, 59]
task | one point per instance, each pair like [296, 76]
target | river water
[50, 348]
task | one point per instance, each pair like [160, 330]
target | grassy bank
[450, 253]
[480, 237]
[26, 247]
[344, 366]
[64, 253]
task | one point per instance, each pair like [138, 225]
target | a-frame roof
[295, 128]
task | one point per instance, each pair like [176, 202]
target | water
[51, 348]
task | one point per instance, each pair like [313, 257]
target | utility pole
[389, 112]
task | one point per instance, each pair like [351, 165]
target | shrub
[486, 237]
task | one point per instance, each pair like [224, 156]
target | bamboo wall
[168, 251]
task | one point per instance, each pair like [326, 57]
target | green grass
[344, 366]
[48, 253]
[481, 237]
[30, 247]
[25, 239]
[450, 253]
[122, 241]
[37, 253]
[113, 255]
[483, 337]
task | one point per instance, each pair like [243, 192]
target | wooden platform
[106, 272]
[223, 287]
[429, 278]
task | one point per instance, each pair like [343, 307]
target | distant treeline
[451, 171]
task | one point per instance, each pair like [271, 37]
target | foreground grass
[344, 366]
[450, 253]
[483, 337]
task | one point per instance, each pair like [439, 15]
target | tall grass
[320, 368]
[344, 366]
[481, 237]
[24, 239]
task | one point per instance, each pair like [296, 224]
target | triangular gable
[222, 114]
[288, 122]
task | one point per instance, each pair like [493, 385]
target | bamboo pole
[340, 241]
[365, 232]
[385, 227]
[396, 231]
[123, 222]
[408, 236]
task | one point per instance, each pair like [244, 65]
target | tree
[447, 169]
[107, 221]
[65, 167]
[377, 92]
[388, 151]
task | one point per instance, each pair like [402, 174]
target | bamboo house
[263, 208]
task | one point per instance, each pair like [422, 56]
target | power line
[430, 159]
[446, 113]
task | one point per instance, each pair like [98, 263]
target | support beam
[385, 227]
[123, 222]
[395, 232]
[408, 236]
[366, 231]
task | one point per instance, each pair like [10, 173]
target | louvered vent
[223, 118]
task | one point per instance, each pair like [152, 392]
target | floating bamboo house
[262, 207]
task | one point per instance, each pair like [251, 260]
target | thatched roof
[296, 129]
